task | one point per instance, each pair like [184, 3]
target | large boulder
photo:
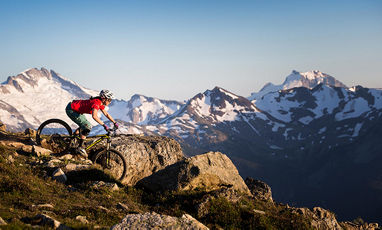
[157, 221]
[146, 155]
[209, 171]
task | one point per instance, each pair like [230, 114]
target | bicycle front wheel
[54, 134]
[112, 162]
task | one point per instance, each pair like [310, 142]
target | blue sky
[176, 49]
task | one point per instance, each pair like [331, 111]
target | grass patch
[21, 189]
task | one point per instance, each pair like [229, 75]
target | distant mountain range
[313, 139]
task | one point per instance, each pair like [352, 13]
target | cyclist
[77, 108]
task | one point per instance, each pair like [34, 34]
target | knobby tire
[118, 167]
[56, 140]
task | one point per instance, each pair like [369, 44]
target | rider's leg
[77, 132]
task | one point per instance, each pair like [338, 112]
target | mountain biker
[77, 108]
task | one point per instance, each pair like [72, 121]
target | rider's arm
[107, 115]
[96, 118]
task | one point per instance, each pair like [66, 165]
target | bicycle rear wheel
[112, 162]
[54, 134]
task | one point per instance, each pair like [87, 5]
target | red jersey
[87, 106]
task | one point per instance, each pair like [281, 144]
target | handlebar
[112, 131]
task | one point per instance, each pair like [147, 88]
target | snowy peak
[143, 110]
[308, 80]
[219, 105]
[35, 80]
[36, 95]
[301, 104]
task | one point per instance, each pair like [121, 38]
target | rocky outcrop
[33, 149]
[146, 155]
[157, 221]
[319, 218]
[209, 171]
[259, 189]
[356, 226]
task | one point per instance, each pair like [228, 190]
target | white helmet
[106, 94]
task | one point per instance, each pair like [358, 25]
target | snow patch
[357, 128]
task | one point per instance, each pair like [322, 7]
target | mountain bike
[58, 136]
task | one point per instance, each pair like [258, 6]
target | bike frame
[98, 140]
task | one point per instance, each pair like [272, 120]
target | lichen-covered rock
[209, 171]
[146, 155]
[157, 221]
[259, 189]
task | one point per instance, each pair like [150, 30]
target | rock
[82, 219]
[66, 157]
[356, 226]
[105, 185]
[146, 155]
[259, 212]
[59, 176]
[27, 148]
[30, 132]
[122, 206]
[2, 222]
[43, 206]
[75, 167]
[319, 217]
[37, 150]
[103, 209]
[10, 159]
[17, 145]
[209, 171]
[43, 220]
[3, 127]
[259, 189]
[53, 163]
[157, 221]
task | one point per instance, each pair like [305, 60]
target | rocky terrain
[163, 190]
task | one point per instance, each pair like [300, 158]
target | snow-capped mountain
[143, 110]
[31, 97]
[305, 105]
[198, 118]
[35, 95]
[299, 79]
